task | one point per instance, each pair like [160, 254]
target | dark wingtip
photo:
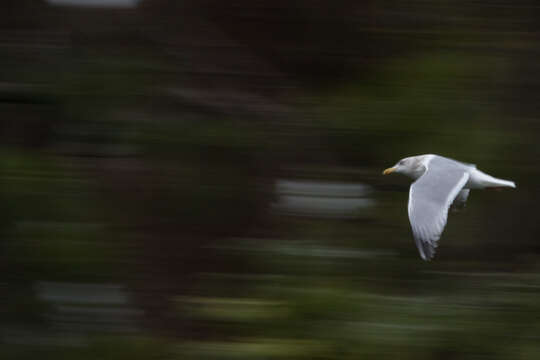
[426, 250]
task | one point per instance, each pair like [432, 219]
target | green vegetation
[140, 168]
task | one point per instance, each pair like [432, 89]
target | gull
[440, 181]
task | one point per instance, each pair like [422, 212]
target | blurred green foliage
[142, 147]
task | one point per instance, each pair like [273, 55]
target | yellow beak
[389, 171]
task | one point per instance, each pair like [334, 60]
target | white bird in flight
[439, 182]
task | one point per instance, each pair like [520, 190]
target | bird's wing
[460, 200]
[429, 199]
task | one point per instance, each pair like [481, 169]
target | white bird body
[477, 178]
[439, 182]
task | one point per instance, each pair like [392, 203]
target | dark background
[202, 179]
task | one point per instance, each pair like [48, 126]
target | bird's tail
[488, 181]
[499, 183]
[482, 180]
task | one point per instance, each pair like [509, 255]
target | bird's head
[410, 166]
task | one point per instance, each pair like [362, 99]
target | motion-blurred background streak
[201, 179]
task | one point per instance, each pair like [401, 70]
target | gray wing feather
[429, 199]
[460, 200]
